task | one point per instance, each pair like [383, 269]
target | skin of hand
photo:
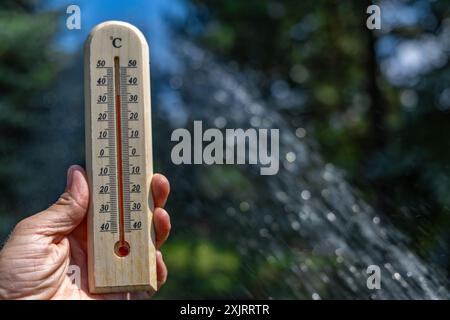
[35, 260]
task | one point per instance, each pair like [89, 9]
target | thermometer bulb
[122, 249]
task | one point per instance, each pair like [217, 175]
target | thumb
[69, 210]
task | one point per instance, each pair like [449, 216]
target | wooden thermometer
[121, 250]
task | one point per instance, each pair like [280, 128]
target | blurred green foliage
[199, 268]
[27, 67]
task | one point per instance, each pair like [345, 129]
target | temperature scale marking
[122, 247]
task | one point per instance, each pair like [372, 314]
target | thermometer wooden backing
[121, 251]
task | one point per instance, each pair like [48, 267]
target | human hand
[35, 260]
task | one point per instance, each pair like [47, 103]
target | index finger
[160, 190]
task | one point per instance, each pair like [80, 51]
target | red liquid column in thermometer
[122, 247]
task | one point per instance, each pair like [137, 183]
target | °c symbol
[116, 42]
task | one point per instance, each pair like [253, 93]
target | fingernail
[69, 178]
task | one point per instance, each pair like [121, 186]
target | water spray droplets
[244, 206]
[305, 194]
[290, 156]
[331, 216]
[220, 122]
[300, 133]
